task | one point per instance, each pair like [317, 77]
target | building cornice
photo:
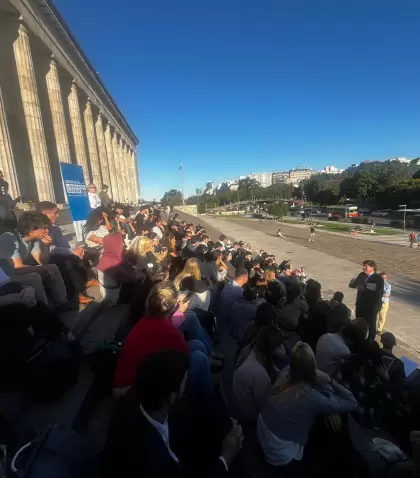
[56, 27]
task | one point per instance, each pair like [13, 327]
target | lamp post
[181, 171]
[405, 214]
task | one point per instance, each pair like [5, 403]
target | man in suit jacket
[370, 289]
[138, 442]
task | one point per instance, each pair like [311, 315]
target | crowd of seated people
[302, 368]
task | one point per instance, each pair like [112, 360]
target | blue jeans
[199, 381]
[192, 330]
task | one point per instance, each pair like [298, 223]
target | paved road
[393, 258]
[334, 260]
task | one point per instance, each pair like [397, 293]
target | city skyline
[292, 178]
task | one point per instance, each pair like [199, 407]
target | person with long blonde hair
[191, 269]
[301, 394]
[137, 253]
[190, 280]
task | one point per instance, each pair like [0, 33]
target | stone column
[133, 175]
[118, 174]
[57, 113]
[111, 163]
[33, 117]
[130, 182]
[6, 153]
[123, 170]
[92, 146]
[103, 157]
[136, 175]
[77, 128]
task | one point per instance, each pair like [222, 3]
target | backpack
[57, 452]
[52, 368]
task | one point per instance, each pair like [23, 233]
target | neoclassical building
[54, 108]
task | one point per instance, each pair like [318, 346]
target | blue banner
[74, 182]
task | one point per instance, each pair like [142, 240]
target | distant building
[332, 170]
[209, 189]
[280, 177]
[265, 179]
[298, 174]
[401, 160]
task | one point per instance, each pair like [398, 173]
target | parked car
[380, 213]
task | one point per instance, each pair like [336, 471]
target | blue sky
[230, 87]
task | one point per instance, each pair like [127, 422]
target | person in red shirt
[155, 332]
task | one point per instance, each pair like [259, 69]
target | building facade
[332, 170]
[54, 108]
[265, 179]
[299, 174]
[280, 177]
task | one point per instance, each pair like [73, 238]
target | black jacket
[369, 298]
[134, 448]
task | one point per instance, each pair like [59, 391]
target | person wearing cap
[385, 303]
[104, 197]
[393, 365]
[94, 199]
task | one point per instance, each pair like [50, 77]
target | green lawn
[325, 225]
[336, 226]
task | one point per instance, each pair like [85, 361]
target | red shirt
[149, 335]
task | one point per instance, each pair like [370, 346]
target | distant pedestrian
[312, 233]
[385, 303]
[279, 234]
[418, 241]
[412, 239]
[94, 199]
[104, 197]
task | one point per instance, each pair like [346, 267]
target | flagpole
[181, 170]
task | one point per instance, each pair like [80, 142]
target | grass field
[324, 225]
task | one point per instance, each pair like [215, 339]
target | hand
[105, 215]
[47, 240]
[381, 371]
[183, 306]
[27, 296]
[79, 252]
[232, 443]
[333, 422]
[322, 378]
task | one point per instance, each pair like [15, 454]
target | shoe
[92, 283]
[85, 300]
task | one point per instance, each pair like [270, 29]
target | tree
[173, 197]
[416, 175]
[250, 186]
[278, 209]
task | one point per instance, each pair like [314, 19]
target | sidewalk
[334, 274]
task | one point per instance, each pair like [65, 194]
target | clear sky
[230, 87]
